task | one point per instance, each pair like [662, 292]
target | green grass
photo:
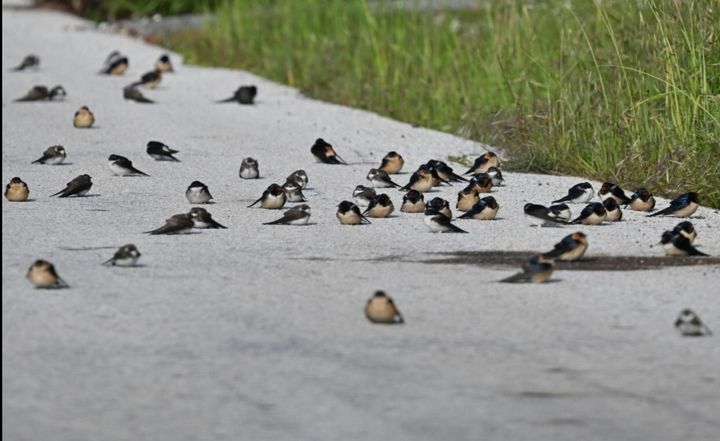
[618, 90]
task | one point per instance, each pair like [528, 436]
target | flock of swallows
[484, 174]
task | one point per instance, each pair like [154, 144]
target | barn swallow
[243, 95]
[273, 198]
[392, 163]
[614, 214]
[57, 93]
[161, 152]
[381, 309]
[325, 153]
[299, 215]
[115, 64]
[150, 80]
[580, 193]
[134, 94]
[176, 224]
[127, 255]
[690, 325]
[678, 245]
[28, 62]
[682, 206]
[16, 190]
[349, 214]
[203, 219]
[293, 192]
[542, 212]
[444, 171]
[485, 209]
[496, 176]
[642, 200]
[439, 223]
[362, 195]
[537, 270]
[561, 212]
[413, 202]
[249, 169]
[42, 274]
[483, 163]
[379, 206]
[122, 166]
[481, 182]
[163, 64]
[467, 198]
[440, 205]
[593, 214]
[77, 187]
[421, 180]
[198, 193]
[380, 179]
[572, 247]
[299, 177]
[687, 229]
[610, 190]
[53, 155]
[37, 93]
[84, 118]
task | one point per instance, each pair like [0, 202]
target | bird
[198, 193]
[440, 205]
[161, 152]
[413, 202]
[176, 224]
[163, 64]
[77, 187]
[349, 214]
[481, 183]
[678, 245]
[610, 190]
[580, 193]
[151, 80]
[641, 200]
[467, 198]
[325, 153]
[571, 247]
[362, 195]
[614, 213]
[687, 229]
[37, 93]
[249, 169]
[593, 214]
[483, 163]
[299, 215]
[444, 171]
[379, 206]
[392, 163]
[561, 212]
[380, 179]
[537, 270]
[134, 94]
[122, 166]
[16, 190]
[380, 308]
[439, 223]
[243, 95]
[421, 180]
[682, 206]
[689, 325]
[293, 192]
[544, 213]
[203, 219]
[30, 61]
[299, 177]
[127, 255]
[42, 274]
[84, 118]
[115, 64]
[272, 198]
[485, 209]
[57, 93]
[496, 176]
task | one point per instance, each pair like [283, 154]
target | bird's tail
[515, 278]
[227, 100]
[261, 198]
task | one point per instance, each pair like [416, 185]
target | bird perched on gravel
[163, 64]
[483, 163]
[243, 95]
[16, 190]
[641, 200]
[380, 308]
[325, 153]
[580, 193]
[115, 64]
[273, 198]
[161, 152]
[83, 118]
[151, 80]
[682, 206]
[349, 214]
[392, 163]
[572, 247]
[249, 169]
[79, 186]
[42, 274]
[198, 193]
[133, 94]
[127, 255]
[176, 224]
[299, 215]
[689, 325]
[203, 219]
[537, 270]
[30, 61]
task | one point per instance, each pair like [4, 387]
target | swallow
[610, 190]
[37, 93]
[176, 224]
[127, 255]
[84, 118]
[325, 153]
[678, 245]
[134, 94]
[362, 195]
[42, 274]
[641, 200]
[203, 219]
[299, 215]
[380, 206]
[122, 166]
[57, 93]
[542, 212]
[273, 198]
[580, 193]
[243, 95]
[150, 80]
[421, 180]
[572, 247]
[198, 193]
[444, 171]
[496, 176]
[381, 309]
[467, 198]
[160, 152]
[440, 205]
[561, 212]
[380, 179]
[30, 61]
[614, 214]
[77, 187]
[413, 202]
[682, 206]
[349, 214]
[299, 177]
[249, 169]
[537, 270]
[687, 229]
[483, 163]
[392, 163]
[485, 209]
[439, 223]
[163, 64]
[293, 192]
[115, 64]
[593, 214]
[690, 325]
[53, 155]
[481, 182]
[16, 190]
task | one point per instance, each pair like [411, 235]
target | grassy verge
[615, 90]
